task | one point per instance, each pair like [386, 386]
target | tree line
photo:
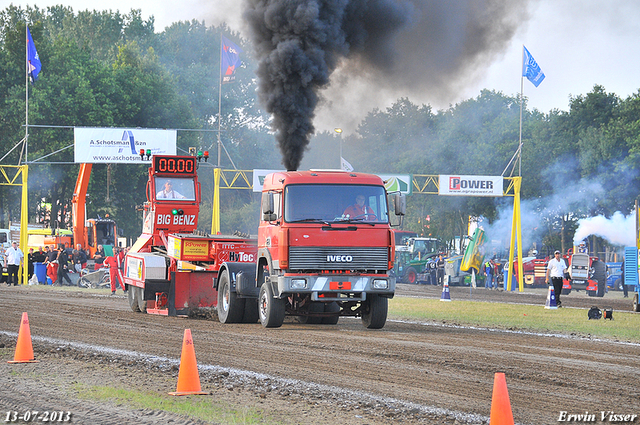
[107, 69]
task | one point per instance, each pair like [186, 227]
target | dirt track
[405, 373]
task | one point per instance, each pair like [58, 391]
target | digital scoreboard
[178, 165]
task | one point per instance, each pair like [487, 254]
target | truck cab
[325, 247]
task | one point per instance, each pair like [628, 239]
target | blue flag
[32, 56]
[230, 60]
[531, 69]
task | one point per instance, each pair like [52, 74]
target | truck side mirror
[400, 202]
[267, 207]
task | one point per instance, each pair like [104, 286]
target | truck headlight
[380, 284]
[298, 283]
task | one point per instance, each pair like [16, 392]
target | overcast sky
[577, 43]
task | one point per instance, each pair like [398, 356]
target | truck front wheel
[230, 308]
[375, 311]
[271, 309]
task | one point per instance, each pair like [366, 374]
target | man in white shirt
[168, 192]
[14, 259]
[555, 269]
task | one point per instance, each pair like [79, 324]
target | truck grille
[338, 258]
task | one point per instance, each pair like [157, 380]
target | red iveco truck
[314, 258]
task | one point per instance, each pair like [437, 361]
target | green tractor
[412, 258]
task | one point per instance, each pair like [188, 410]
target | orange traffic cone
[24, 349]
[500, 404]
[188, 378]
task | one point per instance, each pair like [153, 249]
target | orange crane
[89, 232]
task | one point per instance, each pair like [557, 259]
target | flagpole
[220, 103]
[521, 100]
[26, 114]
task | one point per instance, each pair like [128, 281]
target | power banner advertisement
[121, 145]
[458, 185]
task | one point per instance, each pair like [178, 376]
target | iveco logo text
[339, 258]
[457, 183]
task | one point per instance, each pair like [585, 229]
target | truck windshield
[425, 246]
[172, 188]
[335, 203]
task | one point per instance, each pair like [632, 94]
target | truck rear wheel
[271, 310]
[132, 296]
[230, 308]
[375, 311]
[600, 276]
[331, 307]
[250, 311]
[314, 307]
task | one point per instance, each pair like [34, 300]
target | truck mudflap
[242, 279]
[345, 288]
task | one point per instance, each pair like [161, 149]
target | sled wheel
[132, 296]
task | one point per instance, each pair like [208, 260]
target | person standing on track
[52, 263]
[440, 269]
[488, 271]
[63, 266]
[556, 268]
[114, 271]
[14, 258]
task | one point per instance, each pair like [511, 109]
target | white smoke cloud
[618, 230]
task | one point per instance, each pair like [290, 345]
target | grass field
[625, 326]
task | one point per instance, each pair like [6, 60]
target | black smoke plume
[300, 42]
[409, 45]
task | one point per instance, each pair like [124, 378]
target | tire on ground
[142, 303]
[617, 286]
[375, 311]
[271, 310]
[411, 276]
[314, 307]
[230, 307]
[251, 314]
[331, 307]
[636, 303]
[132, 296]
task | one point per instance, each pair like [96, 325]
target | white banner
[120, 145]
[397, 182]
[457, 185]
[258, 178]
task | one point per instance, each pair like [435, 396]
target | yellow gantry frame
[10, 176]
[430, 184]
[421, 183]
